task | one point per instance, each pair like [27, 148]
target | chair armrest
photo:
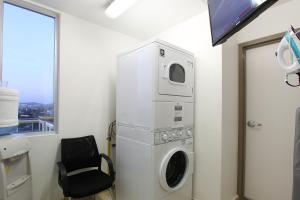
[110, 165]
[62, 175]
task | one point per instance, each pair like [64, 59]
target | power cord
[111, 131]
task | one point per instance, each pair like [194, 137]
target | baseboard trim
[234, 198]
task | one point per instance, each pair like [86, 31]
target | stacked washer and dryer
[155, 120]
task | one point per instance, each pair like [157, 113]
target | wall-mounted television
[229, 16]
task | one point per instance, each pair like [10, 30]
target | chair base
[108, 194]
[92, 197]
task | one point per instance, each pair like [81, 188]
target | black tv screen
[229, 16]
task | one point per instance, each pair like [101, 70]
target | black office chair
[82, 153]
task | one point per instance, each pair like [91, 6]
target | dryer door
[176, 74]
[175, 169]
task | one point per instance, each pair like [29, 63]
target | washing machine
[154, 165]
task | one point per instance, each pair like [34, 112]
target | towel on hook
[296, 182]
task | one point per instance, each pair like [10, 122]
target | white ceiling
[145, 19]
[281, 2]
[142, 21]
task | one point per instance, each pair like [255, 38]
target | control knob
[189, 133]
[165, 137]
[180, 133]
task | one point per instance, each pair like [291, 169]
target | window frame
[50, 13]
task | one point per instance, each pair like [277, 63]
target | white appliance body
[9, 104]
[15, 170]
[155, 103]
[151, 171]
[155, 87]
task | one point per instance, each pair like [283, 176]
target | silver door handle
[253, 124]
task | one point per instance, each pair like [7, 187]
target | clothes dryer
[155, 79]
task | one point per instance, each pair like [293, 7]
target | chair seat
[88, 183]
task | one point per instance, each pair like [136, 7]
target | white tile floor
[105, 195]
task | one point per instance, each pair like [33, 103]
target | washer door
[175, 169]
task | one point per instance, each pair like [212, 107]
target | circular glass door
[177, 73]
[176, 169]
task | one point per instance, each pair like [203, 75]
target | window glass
[28, 65]
[177, 73]
[176, 169]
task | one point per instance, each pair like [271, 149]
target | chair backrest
[79, 153]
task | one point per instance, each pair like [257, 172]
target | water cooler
[15, 171]
[9, 104]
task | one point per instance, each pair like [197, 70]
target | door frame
[243, 47]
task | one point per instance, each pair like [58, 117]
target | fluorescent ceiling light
[117, 7]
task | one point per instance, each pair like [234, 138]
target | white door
[176, 73]
[270, 113]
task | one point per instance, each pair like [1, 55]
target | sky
[28, 53]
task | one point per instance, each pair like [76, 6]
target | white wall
[194, 35]
[229, 118]
[86, 96]
[216, 113]
[87, 104]
[275, 20]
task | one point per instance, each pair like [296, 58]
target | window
[29, 63]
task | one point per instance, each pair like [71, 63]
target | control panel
[178, 115]
[172, 135]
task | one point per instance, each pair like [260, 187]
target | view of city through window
[28, 65]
